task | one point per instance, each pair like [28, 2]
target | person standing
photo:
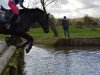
[65, 24]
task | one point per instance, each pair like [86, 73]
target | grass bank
[48, 38]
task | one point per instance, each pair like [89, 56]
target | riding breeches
[13, 7]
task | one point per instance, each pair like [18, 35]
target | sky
[68, 8]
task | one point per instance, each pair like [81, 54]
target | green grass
[74, 32]
[2, 37]
[47, 38]
[41, 37]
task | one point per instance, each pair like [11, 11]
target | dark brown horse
[28, 17]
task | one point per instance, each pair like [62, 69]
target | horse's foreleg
[30, 46]
[29, 41]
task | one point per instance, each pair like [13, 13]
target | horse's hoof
[27, 50]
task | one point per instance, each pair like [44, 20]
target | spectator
[65, 25]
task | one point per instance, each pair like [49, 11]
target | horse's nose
[46, 31]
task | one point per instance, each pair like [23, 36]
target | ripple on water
[41, 61]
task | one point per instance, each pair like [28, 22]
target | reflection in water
[44, 61]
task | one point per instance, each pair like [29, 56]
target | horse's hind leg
[13, 40]
[28, 42]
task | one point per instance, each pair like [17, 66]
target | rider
[12, 4]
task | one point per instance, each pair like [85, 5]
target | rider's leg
[15, 14]
[11, 20]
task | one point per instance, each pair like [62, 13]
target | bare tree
[44, 3]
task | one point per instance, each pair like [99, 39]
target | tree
[42, 3]
[88, 20]
[45, 3]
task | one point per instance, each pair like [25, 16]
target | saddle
[5, 18]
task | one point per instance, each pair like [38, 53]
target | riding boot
[11, 20]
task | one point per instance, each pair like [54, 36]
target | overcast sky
[69, 8]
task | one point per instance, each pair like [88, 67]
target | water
[62, 61]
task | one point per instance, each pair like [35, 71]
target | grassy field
[74, 32]
[41, 37]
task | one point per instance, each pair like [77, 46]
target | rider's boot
[11, 20]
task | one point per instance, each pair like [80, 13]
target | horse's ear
[48, 14]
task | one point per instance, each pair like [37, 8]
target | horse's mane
[36, 10]
[31, 10]
[24, 10]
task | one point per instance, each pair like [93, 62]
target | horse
[27, 17]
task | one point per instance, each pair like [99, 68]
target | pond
[62, 61]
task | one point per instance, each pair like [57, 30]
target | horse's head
[42, 19]
[39, 16]
[44, 23]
